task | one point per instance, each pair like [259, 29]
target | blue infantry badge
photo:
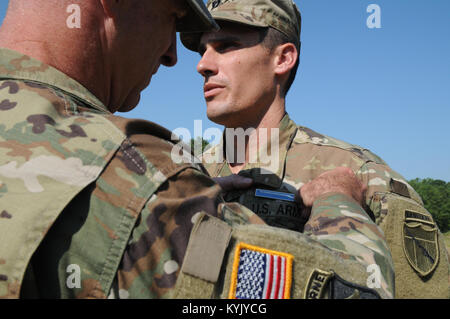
[260, 273]
[264, 193]
[420, 242]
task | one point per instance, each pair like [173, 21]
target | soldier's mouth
[212, 89]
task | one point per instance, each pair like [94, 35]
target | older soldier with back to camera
[248, 67]
[93, 206]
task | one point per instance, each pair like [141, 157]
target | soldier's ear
[286, 56]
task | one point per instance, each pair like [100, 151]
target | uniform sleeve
[381, 179]
[341, 224]
[156, 249]
[415, 241]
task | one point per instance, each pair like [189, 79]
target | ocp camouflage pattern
[279, 14]
[82, 187]
[84, 190]
[336, 220]
[282, 15]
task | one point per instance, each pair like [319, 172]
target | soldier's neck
[85, 65]
[240, 148]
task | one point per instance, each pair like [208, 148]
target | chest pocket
[276, 207]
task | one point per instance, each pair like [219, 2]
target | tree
[195, 145]
[436, 198]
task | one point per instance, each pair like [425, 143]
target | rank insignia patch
[420, 242]
[259, 273]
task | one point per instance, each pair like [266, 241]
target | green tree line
[435, 194]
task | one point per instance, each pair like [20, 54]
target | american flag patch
[260, 273]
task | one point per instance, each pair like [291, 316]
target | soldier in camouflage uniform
[231, 65]
[93, 205]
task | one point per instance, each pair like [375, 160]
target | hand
[339, 180]
[231, 182]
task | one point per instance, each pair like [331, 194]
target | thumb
[231, 182]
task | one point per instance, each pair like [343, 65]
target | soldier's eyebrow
[217, 39]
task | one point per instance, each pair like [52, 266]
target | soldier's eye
[201, 50]
[224, 46]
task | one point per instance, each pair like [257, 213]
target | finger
[240, 182]
[305, 214]
[305, 194]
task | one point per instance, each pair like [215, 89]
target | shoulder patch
[317, 284]
[420, 242]
[342, 289]
[260, 273]
[321, 281]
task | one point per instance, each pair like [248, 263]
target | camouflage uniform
[82, 187]
[417, 246]
[85, 192]
[62, 150]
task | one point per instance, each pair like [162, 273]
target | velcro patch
[420, 242]
[317, 282]
[342, 289]
[321, 281]
[260, 273]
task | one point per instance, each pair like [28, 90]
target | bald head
[40, 15]
[113, 52]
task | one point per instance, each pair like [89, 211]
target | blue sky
[386, 89]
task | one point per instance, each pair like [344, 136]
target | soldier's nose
[207, 65]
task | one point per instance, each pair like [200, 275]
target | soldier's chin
[130, 103]
[212, 116]
[219, 113]
[219, 118]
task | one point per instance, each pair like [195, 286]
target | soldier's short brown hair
[271, 38]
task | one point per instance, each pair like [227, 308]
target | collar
[17, 66]
[264, 172]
